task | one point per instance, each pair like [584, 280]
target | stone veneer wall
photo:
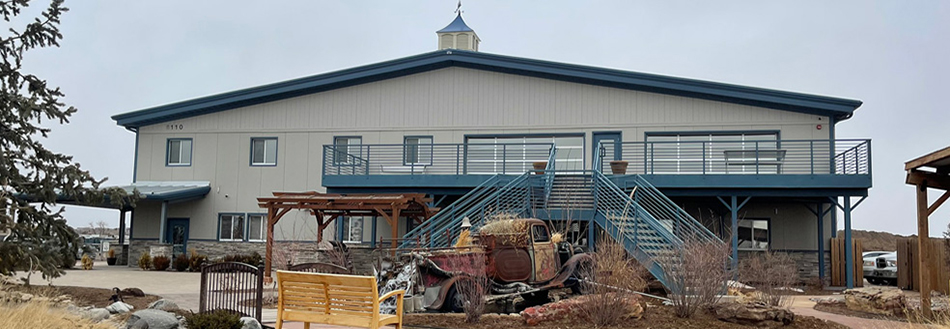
[362, 257]
[806, 261]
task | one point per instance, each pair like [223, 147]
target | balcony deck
[695, 168]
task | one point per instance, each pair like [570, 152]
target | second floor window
[418, 151]
[179, 152]
[347, 149]
[263, 151]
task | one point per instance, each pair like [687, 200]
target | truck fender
[568, 269]
[444, 287]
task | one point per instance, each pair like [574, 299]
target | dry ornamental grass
[41, 315]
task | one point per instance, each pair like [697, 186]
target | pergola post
[923, 242]
[939, 178]
[269, 253]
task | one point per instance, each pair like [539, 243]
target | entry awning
[171, 191]
[162, 191]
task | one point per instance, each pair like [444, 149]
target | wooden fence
[908, 265]
[838, 263]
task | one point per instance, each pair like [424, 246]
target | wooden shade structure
[328, 207]
[929, 171]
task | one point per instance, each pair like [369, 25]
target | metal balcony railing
[783, 157]
[435, 159]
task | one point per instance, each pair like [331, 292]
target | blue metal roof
[457, 25]
[839, 108]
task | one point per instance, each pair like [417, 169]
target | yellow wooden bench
[336, 299]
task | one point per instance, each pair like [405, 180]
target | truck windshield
[540, 233]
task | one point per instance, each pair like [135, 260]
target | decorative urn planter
[618, 167]
[110, 261]
[539, 167]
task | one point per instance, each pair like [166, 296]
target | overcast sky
[120, 56]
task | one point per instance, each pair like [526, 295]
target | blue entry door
[176, 234]
[611, 145]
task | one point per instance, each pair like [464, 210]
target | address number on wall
[174, 127]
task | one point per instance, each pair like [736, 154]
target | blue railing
[751, 157]
[436, 159]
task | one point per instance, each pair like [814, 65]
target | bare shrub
[696, 274]
[612, 278]
[338, 254]
[770, 273]
[473, 285]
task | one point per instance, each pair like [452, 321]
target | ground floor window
[256, 227]
[754, 234]
[242, 227]
[231, 227]
[353, 229]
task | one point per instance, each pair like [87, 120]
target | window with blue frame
[178, 152]
[264, 151]
[418, 151]
[231, 227]
[242, 227]
[347, 150]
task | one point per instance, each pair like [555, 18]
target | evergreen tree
[32, 178]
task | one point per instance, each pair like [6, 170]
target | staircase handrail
[449, 212]
[454, 221]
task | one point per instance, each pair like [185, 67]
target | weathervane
[458, 9]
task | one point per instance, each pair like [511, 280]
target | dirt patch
[83, 296]
[655, 317]
[843, 309]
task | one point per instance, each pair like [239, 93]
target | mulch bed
[83, 296]
[656, 317]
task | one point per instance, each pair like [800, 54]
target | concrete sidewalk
[801, 305]
[180, 287]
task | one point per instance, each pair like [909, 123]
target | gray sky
[120, 56]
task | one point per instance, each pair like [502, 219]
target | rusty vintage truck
[519, 257]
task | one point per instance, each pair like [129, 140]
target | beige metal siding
[447, 104]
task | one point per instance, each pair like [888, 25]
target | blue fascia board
[783, 100]
[759, 185]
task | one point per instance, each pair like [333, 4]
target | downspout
[135, 160]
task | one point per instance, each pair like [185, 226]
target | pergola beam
[321, 205]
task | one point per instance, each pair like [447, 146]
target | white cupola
[457, 35]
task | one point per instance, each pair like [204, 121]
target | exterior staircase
[647, 223]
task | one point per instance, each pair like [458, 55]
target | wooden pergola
[929, 171]
[328, 207]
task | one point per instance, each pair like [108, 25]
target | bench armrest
[401, 293]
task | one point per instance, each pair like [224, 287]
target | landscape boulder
[758, 315]
[571, 308]
[156, 319]
[95, 314]
[881, 300]
[133, 292]
[119, 308]
[250, 323]
[164, 305]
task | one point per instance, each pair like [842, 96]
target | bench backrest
[232, 286]
[319, 268]
[348, 300]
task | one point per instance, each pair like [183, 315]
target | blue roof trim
[457, 25]
[838, 108]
